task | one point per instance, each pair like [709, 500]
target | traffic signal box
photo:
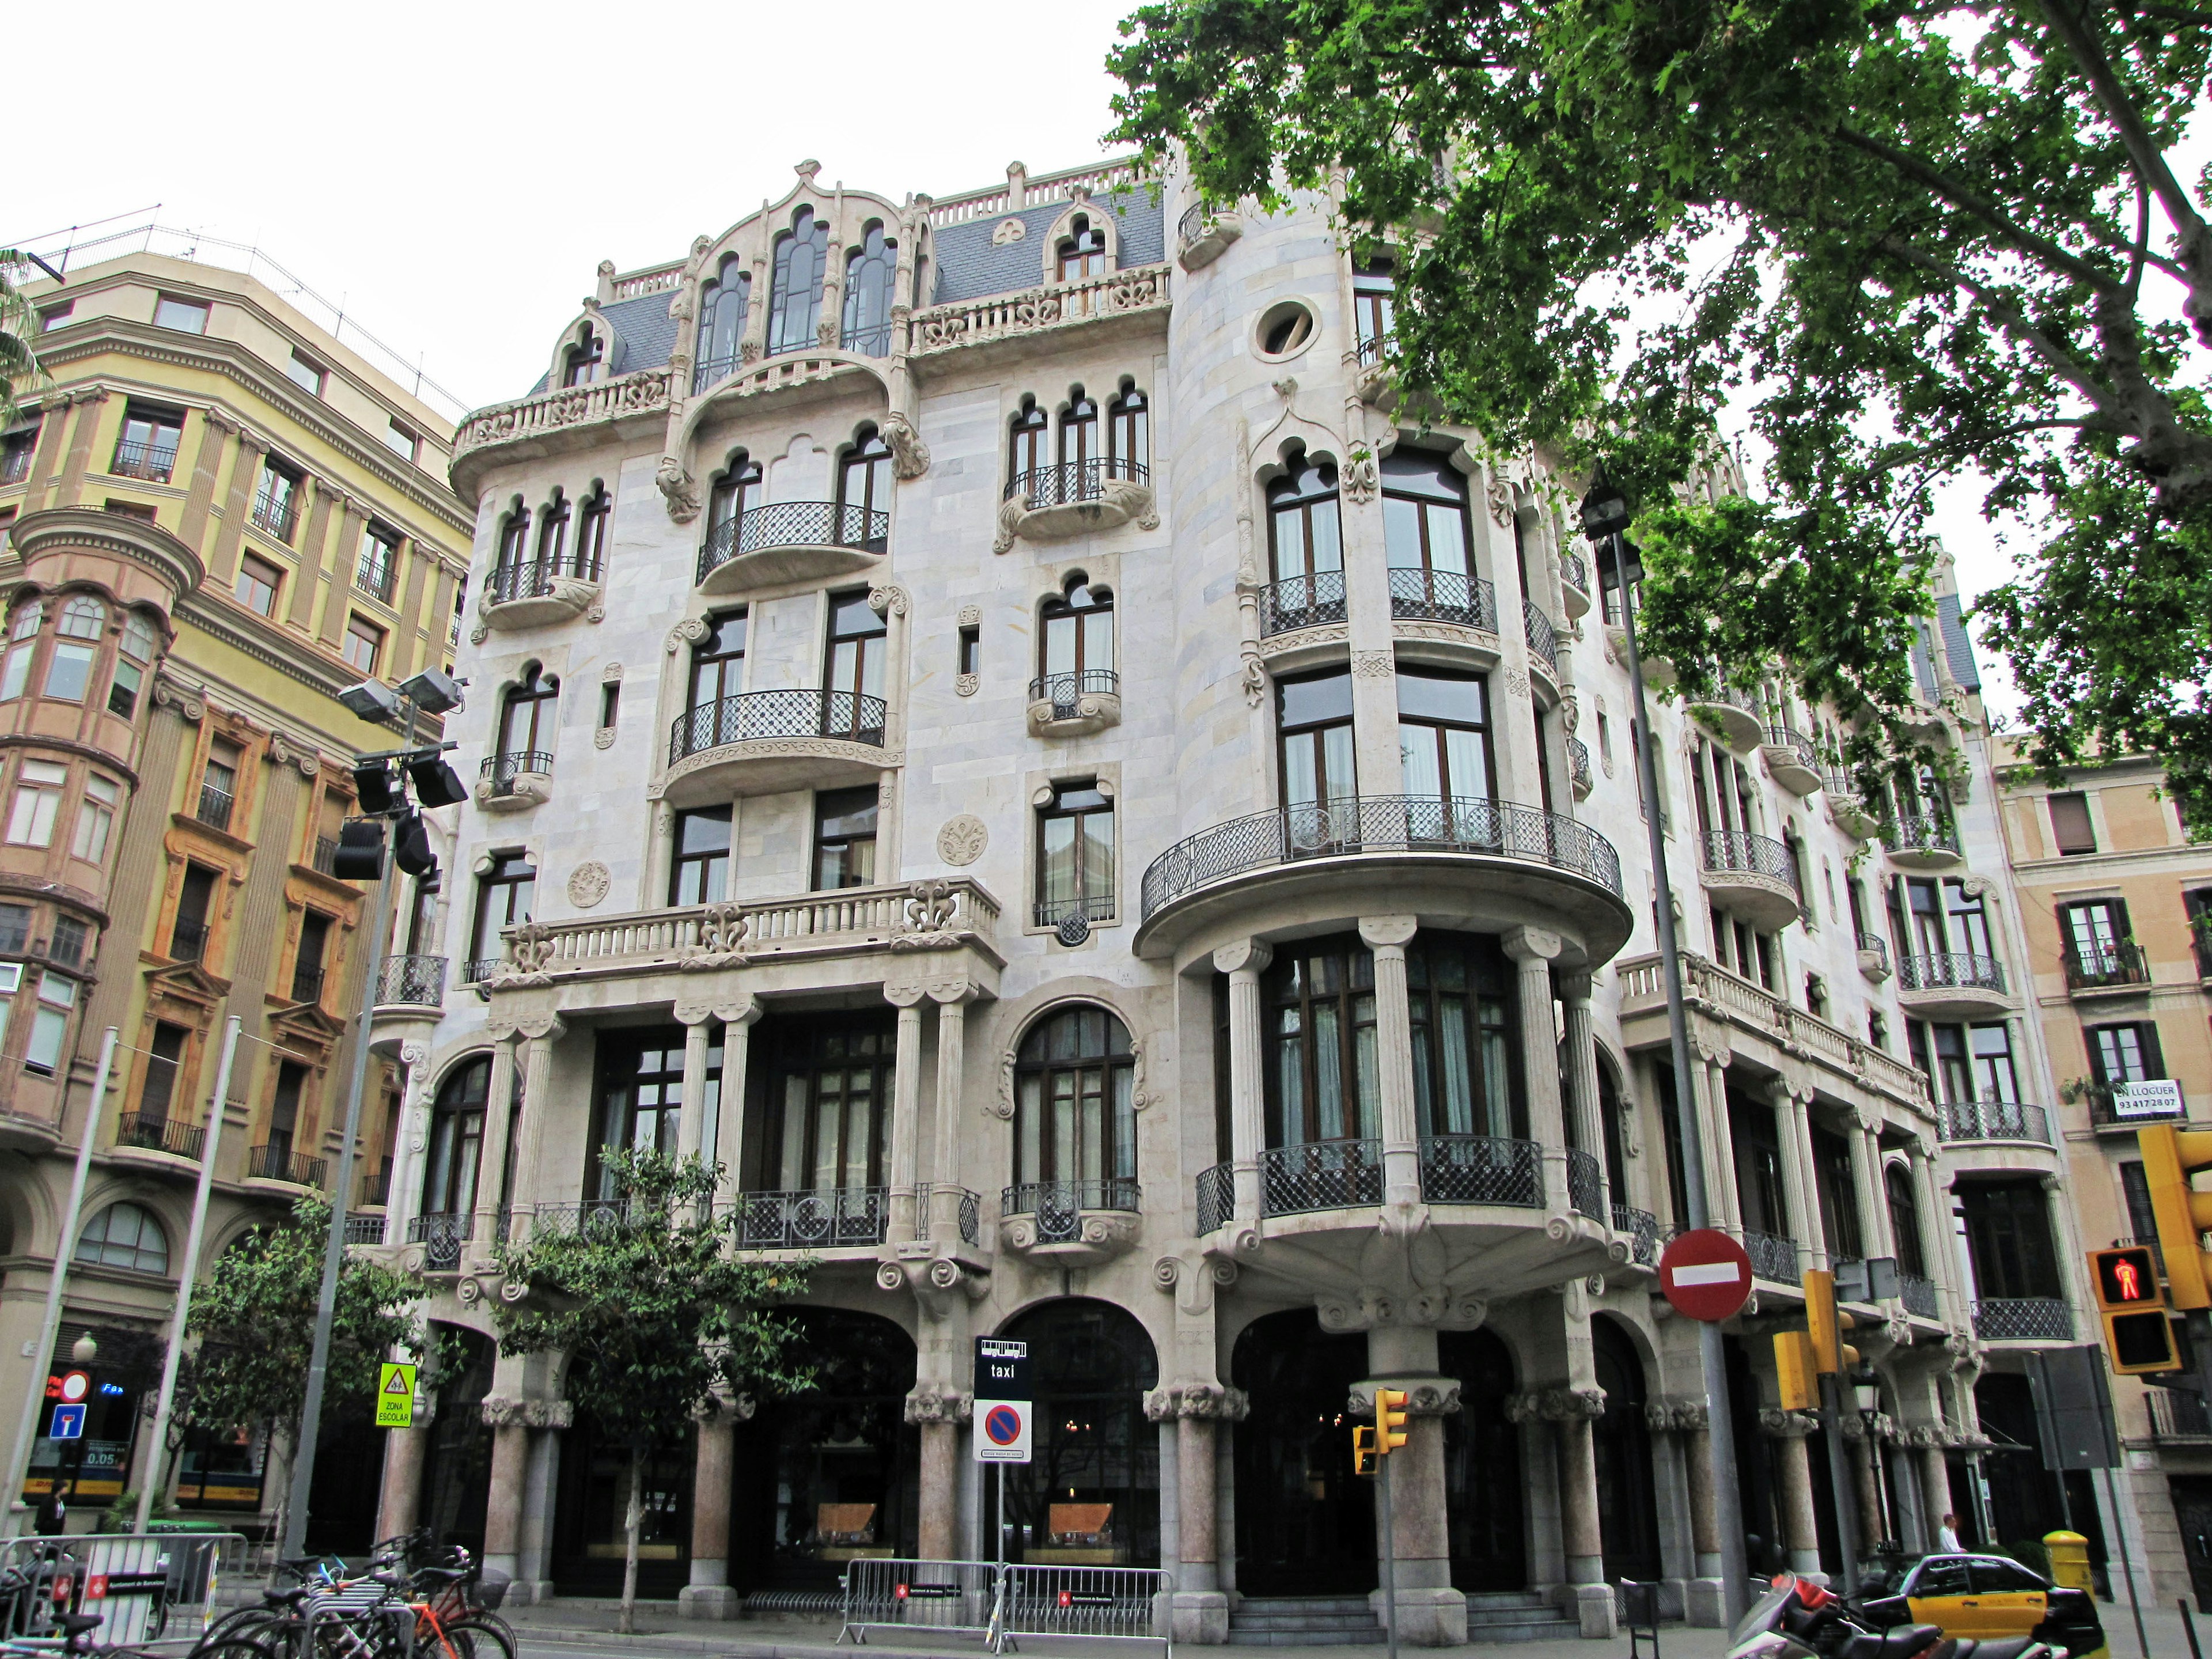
[1793, 1369]
[2138, 1335]
[1824, 1325]
[1370, 1445]
[2170, 1157]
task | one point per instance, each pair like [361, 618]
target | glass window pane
[68, 672]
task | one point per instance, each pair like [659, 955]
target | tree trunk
[629, 1623]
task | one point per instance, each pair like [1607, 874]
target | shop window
[124, 1236]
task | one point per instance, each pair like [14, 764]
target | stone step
[1508, 1599]
[1302, 1620]
[1241, 1637]
[1545, 1629]
[1485, 1617]
[1358, 1603]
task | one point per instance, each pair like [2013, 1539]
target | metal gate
[155, 1590]
[1000, 1601]
[913, 1595]
[1124, 1602]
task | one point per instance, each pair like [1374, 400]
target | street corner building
[216, 515]
[988, 720]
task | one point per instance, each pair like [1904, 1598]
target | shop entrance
[1305, 1523]
[1482, 1466]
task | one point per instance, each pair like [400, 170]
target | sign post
[1002, 1413]
[395, 1395]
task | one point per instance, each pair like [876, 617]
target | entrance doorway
[1627, 1505]
[457, 1468]
[2192, 1513]
[1482, 1466]
[1305, 1523]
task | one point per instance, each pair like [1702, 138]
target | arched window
[580, 367]
[795, 303]
[1078, 431]
[723, 302]
[1075, 645]
[1075, 1124]
[553, 533]
[513, 536]
[1093, 1492]
[864, 491]
[1904, 1220]
[1426, 541]
[592, 533]
[1083, 253]
[28, 620]
[1027, 454]
[527, 717]
[125, 1236]
[1128, 433]
[1305, 549]
[735, 491]
[868, 273]
[457, 1122]
[82, 618]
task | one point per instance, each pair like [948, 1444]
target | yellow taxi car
[1984, 1596]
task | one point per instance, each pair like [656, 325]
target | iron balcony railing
[533, 579]
[1543, 638]
[795, 713]
[1297, 602]
[1196, 218]
[1091, 907]
[1739, 852]
[1578, 763]
[2105, 966]
[411, 982]
[1058, 1206]
[1724, 695]
[794, 524]
[1481, 1169]
[1321, 1174]
[873, 341]
[2178, 1414]
[1880, 946]
[306, 983]
[441, 1233]
[16, 466]
[968, 1207]
[277, 1161]
[1918, 1292]
[1994, 1120]
[2023, 1319]
[479, 971]
[1644, 1226]
[1920, 833]
[1447, 596]
[501, 771]
[152, 462]
[1066, 692]
[1216, 1198]
[376, 1187]
[364, 1230]
[215, 807]
[273, 512]
[1384, 823]
[160, 1134]
[1372, 347]
[851, 1216]
[1574, 572]
[187, 940]
[1772, 1256]
[713, 371]
[1585, 1183]
[1950, 970]
[1069, 482]
[373, 571]
[1782, 737]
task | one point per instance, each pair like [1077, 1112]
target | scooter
[1796, 1619]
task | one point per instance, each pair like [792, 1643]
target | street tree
[19, 360]
[1897, 244]
[658, 1319]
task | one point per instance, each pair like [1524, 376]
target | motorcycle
[1796, 1619]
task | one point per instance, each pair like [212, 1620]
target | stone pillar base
[1199, 1616]
[1426, 1617]
[528, 1593]
[1705, 1604]
[1593, 1606]
[709, 1601]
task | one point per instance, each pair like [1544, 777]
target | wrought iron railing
[712, 371]
[1372, 347]
[1574, 572]
[2104, 1111]
[794, 713]
[534, 580]
[1321, 1174]
[1920, 834]
[1800, 745]
[441, 1233]
[1481, 1169]
[1058, 1206]
[187, 940]
[376, 1187]
[2104, 966]
[1950, 970]
[216, 806]
[373, 571]
[1384, 823]
[325, 855]
[277, 1161]
[967, 1206]
[1772, 1256]
[152, 462]
[1447, 596]
[2178, 1414]
[160, 1134]
[1644, 1226]
[273, 512]
[1066, 692]
[16, 464]
[411, 982]
[1091, 907]
[1066, 482]
[1724, 695]
[1543, 638]
[1739, 851]
[873, 341]
[364, 1230]
[1578, 763]
[1194, 223]
[1585, 1183]
[1918, 1292]
[307, 982]
[1297, 602]
[1878, 946]
[2023, 1319]
[479, 971]
[794, 524]
[850, 1216]
[501, 771]
[1217, 1197]
[1994, 1120]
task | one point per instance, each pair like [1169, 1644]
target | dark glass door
[1305, 1523]
[1627, 1505]
[1482, 1467]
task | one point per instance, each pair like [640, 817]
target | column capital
[953, 994]
[686, 1015]
[1252, 953]
[1531, 944]
[905, 995]
[1779, 1424]
[1575, 986]
[1383, 933]
[1425, 1396]
[939, 1402]
[1196, 1397]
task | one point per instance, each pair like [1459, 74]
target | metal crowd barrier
[1000, 1601]
[160, 1591]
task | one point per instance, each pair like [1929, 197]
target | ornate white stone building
[989, 727]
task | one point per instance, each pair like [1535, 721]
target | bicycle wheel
[252, 1625]
[235, 1647]
[481, 1636]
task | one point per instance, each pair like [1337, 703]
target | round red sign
[1705, 1274]
[76, 1385]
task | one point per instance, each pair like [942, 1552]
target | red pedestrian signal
[2138, 1337]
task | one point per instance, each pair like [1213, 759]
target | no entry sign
[1705, 1274]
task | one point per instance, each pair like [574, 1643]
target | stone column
[708, 1595]
[1864, 1448]
[1533, 949]
[238, 503]
[1587, 1116]
[947, 1188]
[1247, 1100]
[534, 1583]
[400, 1497]
[1792, 1477]
[543, 1030]
[1801, 1223]
[491, 1163]
[1935, 1481]
[408, 1144]
[938, 1410]
[690, 1122]
[1723, 1200]
[510, 1454]
[1937, 1244]
[1388, 937]
[1707, 1606]
[1582, 1533]
[738, 1018]
[906, 1110]
[1198, 1606]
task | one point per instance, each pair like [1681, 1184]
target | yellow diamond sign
[395, 1396]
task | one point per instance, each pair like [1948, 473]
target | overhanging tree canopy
[1901, 242]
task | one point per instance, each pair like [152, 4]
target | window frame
[855, 867]
[712, 864]
[165, 304]
[360, 630]
[1066, 806]
[1111, 1163]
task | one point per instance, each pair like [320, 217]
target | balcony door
[457, 1122]
[1313, 716]
[1323, 1077]
[2009, 1239]
[830, 1104]
[641, 1101]
[853, 675]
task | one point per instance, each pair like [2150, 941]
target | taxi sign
[395, 1395]
[1002, 1432]
[1705, 1274]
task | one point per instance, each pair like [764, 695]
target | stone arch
[1095, 218]
[614, 352]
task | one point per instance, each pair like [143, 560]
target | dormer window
[723, 302]
[1083, 253]
[581, 366]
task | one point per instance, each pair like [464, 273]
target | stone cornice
[118, 533]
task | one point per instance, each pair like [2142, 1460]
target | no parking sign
[1002, 1400]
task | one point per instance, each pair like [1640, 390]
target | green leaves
[19, 361]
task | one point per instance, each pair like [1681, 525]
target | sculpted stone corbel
[909, 455]
[887, 598]
[285, 750]
[689, 631]
[679, 487]
[1198, 1397]
[188, 702]
[1194, 1283]
[1780, 1424]
[939, 1402]
[1424, 1396]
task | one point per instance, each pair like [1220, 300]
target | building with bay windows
[214, 515]
[1114, 835]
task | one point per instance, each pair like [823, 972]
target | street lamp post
[1606, 517]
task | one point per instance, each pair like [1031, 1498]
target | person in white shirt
[1946, 1536]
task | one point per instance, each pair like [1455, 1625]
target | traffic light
[1364, 1454]
[2170, 1157]
[359, 855]
[1389, 1420]
[2138, 1336]
[1824, 1326]
[1793, 1369]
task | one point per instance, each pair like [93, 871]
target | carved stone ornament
[1501, 502]
[1001, 1103]
[587, 884]
[189, 703]
[679, 488]
[887, 599]
[965, 685]
[688, 632]
[962, 840]
[1382, 664]
[722, 930]
[939, 1402]
[1361, 478]
[290, 751]
[925, 919]
[530, 954]
[1517, 683]
[1008, 230]
[1214, 1402]
[1424, 1396]
[1254, 679]
[603, 738]
[909, 455]
[971, 616]
[1790, 1425]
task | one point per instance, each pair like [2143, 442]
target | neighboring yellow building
[2117, 905]
[216, 516]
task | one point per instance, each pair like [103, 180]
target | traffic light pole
[1840, 1478]
[1720, 1432]
[1388, 1526]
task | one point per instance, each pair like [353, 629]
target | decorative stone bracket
[1555, 1405]
[1425, 1396]
[1100, 1235]
[1196, 1397]
[503, 1412]
[939, 1402]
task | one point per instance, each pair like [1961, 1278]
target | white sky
[451, 175]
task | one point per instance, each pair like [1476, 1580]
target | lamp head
[84, 1350]
[1604, 510]
[373, 700]
[434, 691]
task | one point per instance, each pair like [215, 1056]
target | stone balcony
[1070, 1223]
[538, 595]
[762, 743]
[1074, 705]
[514, 783]
[1791, 760]
[790, 542]
[1927, 844]
[1203, 234]
[1002, 327]
[1729, 714]
[1754, 877]
[1952, 986]
[1074, 498]
[629, 407]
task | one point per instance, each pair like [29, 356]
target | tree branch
[2061, 361]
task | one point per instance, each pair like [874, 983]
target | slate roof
[969, 264]
[1956, 643]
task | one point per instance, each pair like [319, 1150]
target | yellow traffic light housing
[1793, 1369]
[2170, 1157]
[2138, 1334]
[1364, 1457]
[1389, 1420]
[1824, 1326]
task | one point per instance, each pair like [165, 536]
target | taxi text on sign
[1705, 1274]
[395, 1396]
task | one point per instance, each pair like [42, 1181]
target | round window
[1286, 329]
